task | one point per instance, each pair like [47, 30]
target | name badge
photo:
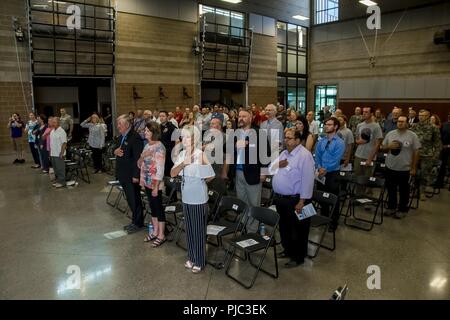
[235, 207]
[326, 195]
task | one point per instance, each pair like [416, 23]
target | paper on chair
[247, 243]
[213, 230]
[363, 200]
[170, 209]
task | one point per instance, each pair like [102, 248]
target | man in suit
[246, 164]
[127, 172]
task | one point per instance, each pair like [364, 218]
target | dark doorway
[231, 94]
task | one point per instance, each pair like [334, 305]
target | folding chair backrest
[324, 198]
[213, 200]
[345, 176]
[172, 183]
[375, 182]
[264, 215]
[227, 204]
[267, 183]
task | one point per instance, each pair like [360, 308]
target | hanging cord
[395, 29]
[364, 40]
[20, 75]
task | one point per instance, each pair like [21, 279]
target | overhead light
[368, 3]
[233, 1]
[300, 17]
[59, 2]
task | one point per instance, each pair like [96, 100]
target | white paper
[363, 200]
[307, 212]
[235, 207]
[214, 230]
[115, 234]
[247, 243]
[373, 179]
[363, 163]
[170, 209]
[326, 195]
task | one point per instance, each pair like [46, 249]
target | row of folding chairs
[77, 165]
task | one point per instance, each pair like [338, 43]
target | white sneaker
[188, 264]
[59, 185]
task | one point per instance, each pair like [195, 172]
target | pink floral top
[152, 163]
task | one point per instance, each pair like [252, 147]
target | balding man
[273, 126]
[127, 154]
[391, 124]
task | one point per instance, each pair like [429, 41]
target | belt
[286, 196]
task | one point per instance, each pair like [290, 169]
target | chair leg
[112, 204]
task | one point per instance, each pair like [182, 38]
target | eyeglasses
[288, 138]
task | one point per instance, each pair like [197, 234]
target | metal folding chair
[251, 243]
[319, 199]
[375, 184]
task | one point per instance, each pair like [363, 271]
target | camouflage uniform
[430, 139]
[353, 122]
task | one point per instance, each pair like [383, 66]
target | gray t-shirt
[410, 143]
[347, 135]
[370, 132]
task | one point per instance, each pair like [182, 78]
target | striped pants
[196, 216]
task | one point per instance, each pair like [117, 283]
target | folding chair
[113, 185]
[319, 199]
[345, 190]
[171, 205]
[229, 216]
[251, 243]
[375, 184]
[267, 192]
[414, 192]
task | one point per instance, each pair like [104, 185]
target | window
[325, 96]
[291, 65]
[326, 11]
[228, 22]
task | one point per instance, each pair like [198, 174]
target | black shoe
[134, 229]
[16, 161]
[127, 226]
[22, 161]
[293, 264]
[282, 255]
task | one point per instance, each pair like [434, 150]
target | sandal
[188, 264]
[196, 269]
[158, 242]
[150, 238]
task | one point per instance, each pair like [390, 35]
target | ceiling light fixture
[368, 3]
[233, 1]
[300, 17]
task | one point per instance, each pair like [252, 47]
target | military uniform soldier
[355, 119]
[430, 139]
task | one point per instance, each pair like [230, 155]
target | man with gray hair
[58, 144]
[273, 126]
[127, 154]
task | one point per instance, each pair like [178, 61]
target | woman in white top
[96, 139]
[193, 166]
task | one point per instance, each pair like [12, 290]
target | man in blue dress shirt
[329, 152]
[293, 184]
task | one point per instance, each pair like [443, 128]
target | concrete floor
[44, 231]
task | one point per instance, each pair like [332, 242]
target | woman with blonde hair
[96, 139]
[193, 166]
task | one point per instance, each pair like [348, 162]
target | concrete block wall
[11, 96]
[262, 82]
[155, 52]
[410, 69]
